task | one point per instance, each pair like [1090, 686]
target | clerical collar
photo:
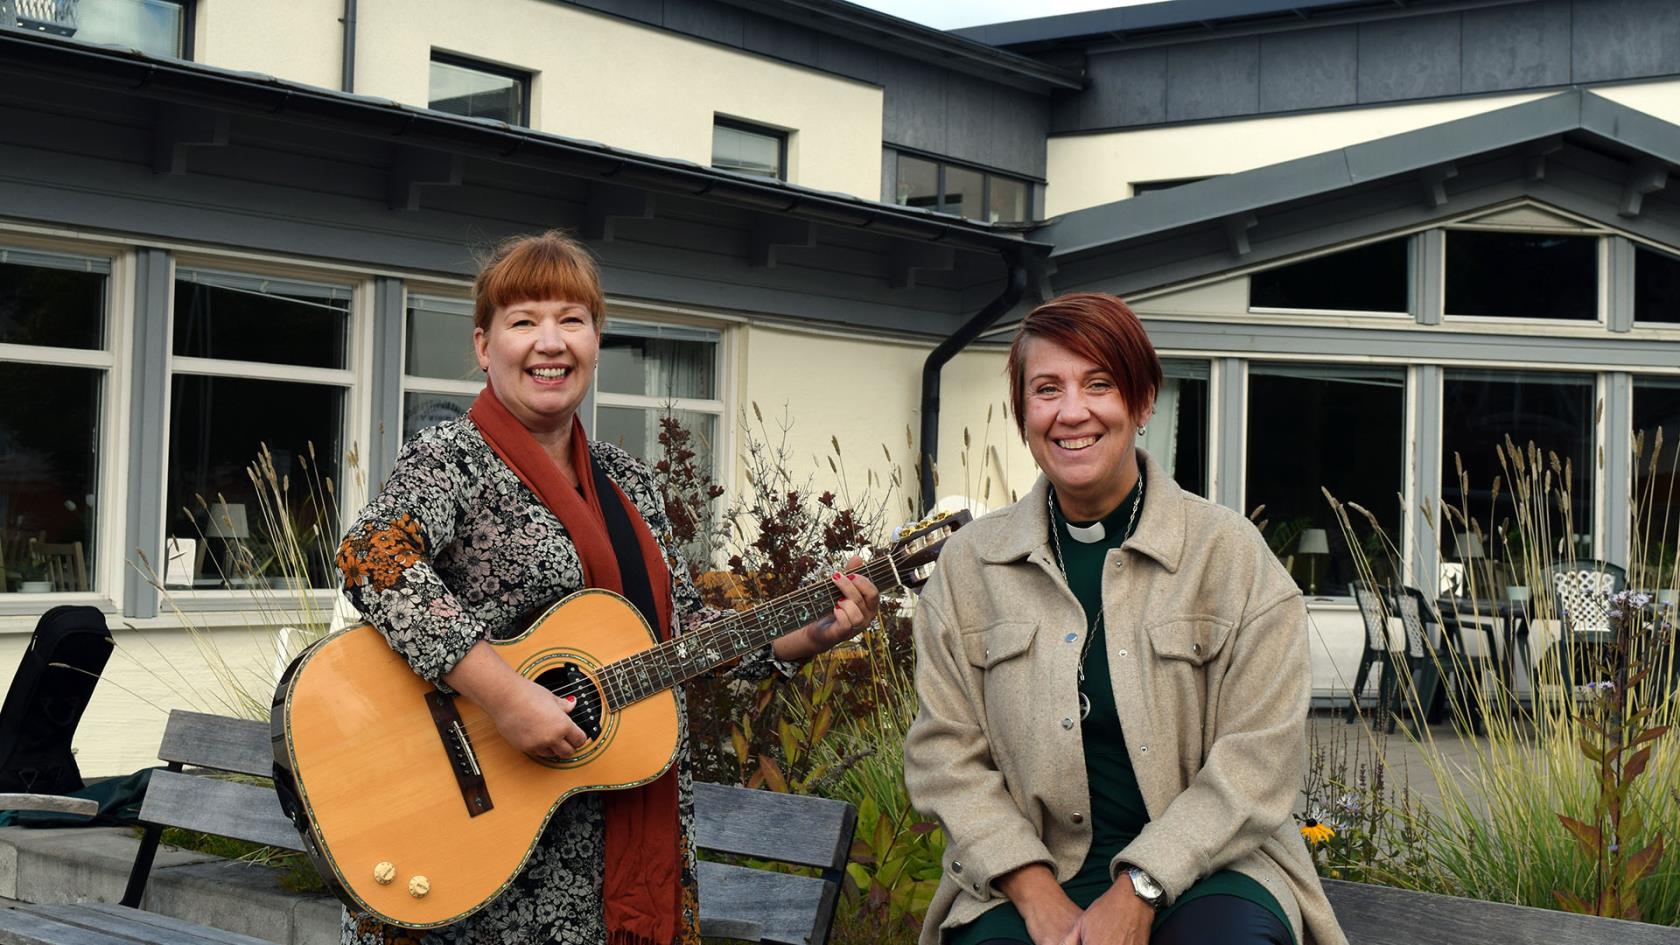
[1117, 519]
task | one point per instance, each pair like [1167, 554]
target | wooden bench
[736, 902]
[1381, 915]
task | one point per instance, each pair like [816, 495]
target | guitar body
[379, 776]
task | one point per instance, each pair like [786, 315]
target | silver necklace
[1096, 625]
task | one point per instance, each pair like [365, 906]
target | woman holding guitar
[490, 518]
[1114, 680]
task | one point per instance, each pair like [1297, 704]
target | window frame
[1409, 314]
[1639, 246]
[780, 135]
[986, 174]
[1600, 320]
[525, 78]
[420, 383]
[108, 537]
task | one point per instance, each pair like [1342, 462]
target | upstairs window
[1369, 278]
[1559, 275]
[963, 191]
[1656, 286]
[749, 149]
[155, 27]
[474, 89]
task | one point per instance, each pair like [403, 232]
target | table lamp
[1313, 542]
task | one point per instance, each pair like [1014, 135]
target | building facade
[1370, 241]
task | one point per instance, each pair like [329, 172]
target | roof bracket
[610, 203]
[1534, 165]
[181, 127]
[1434, 181]
[1237, 226]
[1644, 177]
[910, 261]
[416, 168]
[772, 234]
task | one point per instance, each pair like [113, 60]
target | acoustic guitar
[417, 812]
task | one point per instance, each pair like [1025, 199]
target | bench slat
[1380, 915]
[809, 831]
[208, 805]
[141, 926]
[784, 908]
[50, 803]
[216, 741]
[20, 927]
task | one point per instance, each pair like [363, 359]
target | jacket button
[1122, 654]
[1077, 818]
[956, 866]
[1195, 648]
[1067, 723]
[1143, 748]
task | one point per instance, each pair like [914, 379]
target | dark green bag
[119, 803]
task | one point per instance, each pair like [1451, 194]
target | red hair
[1099, 328]
[537, 268]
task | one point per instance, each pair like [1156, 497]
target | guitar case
[49, 692]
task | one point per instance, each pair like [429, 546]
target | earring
[1143, 431]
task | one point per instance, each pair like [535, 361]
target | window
[962, 191]
[1558, 275]
[1177, 436]
[440, 371]
[462, 86]
[749, 149]
[258, 365]
[1313, 428]
[1656, 481]
[1149, 186]
[1369, 278]
[155, 27]
[54, 365]
[1554, 412]
[647, 371]
[1656, 286]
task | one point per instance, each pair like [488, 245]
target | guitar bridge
[462, 759]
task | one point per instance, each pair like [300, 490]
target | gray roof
[1580, 114]
[1182, 17]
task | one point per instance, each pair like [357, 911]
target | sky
[951, 14]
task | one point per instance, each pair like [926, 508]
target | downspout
[1013, 289]
[348, 77]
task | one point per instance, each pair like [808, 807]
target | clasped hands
[1118, 917]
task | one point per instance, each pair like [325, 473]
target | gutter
[348, 74]
[1014, 287]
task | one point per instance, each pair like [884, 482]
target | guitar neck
[688, 655]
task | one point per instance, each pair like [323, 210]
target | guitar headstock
[919, 543]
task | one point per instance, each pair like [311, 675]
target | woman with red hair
[488, 520]
[1114, 681]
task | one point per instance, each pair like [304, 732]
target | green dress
[1118, 812]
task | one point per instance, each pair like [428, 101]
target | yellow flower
[1316, 833]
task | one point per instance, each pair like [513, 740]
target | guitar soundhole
[567, 679]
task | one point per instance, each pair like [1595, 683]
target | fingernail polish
[838, 575]
[571, 698]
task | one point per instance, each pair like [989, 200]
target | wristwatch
[1147, 888]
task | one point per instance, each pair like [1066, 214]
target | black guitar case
[52, 686]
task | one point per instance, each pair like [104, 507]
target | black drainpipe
[348, 78]
[1013, 289]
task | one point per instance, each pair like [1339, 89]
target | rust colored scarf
[643, 885]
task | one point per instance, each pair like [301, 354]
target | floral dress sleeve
[387, 556]
[690, 612]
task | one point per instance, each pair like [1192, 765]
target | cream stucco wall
[301, 40]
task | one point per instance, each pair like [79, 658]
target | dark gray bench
[736, 902]
[1381, 915]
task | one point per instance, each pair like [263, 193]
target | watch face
[1146, 886]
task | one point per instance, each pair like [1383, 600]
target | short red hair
[1099, 328]
[537, 268]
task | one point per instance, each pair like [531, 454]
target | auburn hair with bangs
[1099, 328]
[537, 268]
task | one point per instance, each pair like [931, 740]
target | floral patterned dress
[456, 549]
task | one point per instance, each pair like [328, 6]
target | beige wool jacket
[1207, 646]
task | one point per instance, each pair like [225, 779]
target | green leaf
[1591, 837]
[1594, 753]
[1569, 902]
[1641, 863]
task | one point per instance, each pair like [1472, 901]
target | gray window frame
[780, 136]
[986, 174]
[521, 76]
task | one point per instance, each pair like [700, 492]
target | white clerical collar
[1087, 534]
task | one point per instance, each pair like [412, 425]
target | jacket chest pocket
[1003, 653]
[1192, 639]
[991, 646]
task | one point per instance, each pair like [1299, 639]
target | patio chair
[1432, 655]
[66, 565]
[1583, 590]
[1378, 654]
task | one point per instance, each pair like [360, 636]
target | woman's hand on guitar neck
[530, 718]
[859, 603]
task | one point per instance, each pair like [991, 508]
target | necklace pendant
[1084, 707]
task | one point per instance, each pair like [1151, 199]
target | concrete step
[79, 864]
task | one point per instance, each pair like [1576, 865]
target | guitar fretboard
[688, 655]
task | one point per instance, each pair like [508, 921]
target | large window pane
[1313, 428]
[1479, 411]
[155, 27]
[49, 301]
[1177, 436]
[460, 87]
[439, 340]
[964, 192]
[217, 427]
[49, 436]
[1009, 200]
[422, 410]
[1656, 286]
[918, 182]
[746, 150]
[1370, 278]
[658, 361]
[637, 430]
[244, 318]
[1522, 275]
[1656, 481]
